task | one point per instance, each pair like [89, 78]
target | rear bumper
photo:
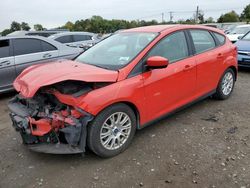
[243, 60]
[40, 135]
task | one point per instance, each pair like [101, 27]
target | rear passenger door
[28, 52]
[207, 60]
[7, 65]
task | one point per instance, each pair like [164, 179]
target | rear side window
[221, 38]
[203, 40]
[4, 48]
[48, 47]
[173, 47]
[65, 39]
[26, 46]
[81, 37]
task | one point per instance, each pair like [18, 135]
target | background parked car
[243, 45]
[237, 32]
[77, 39]
[17, 53]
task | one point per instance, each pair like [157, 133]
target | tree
[25, 26]
[209, 20]
[201, 17]
[69, 26]
[15, 26]
[229, 17]
[245, 15]
[6, 32]
[38, 27]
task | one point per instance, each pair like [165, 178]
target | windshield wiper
[103, 67]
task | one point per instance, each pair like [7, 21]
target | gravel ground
[206, 145]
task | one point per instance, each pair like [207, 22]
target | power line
[171, 13]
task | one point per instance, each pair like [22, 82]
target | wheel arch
[129, 104]
[235, 71]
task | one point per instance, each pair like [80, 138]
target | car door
[169, 88]
[207, 58]
[7, 65]
[29, 52]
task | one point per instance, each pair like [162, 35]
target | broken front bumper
[55, 133]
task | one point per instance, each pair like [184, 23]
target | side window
[173, 47]
[65, 39]
[88, 37]
[26, 46]
[81, 37]
[48, 47]
[4, 48]
[220, 38]
[203, 40]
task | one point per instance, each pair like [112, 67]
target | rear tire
[226, 85]
[112, 130]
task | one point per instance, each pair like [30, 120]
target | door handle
[188, 67]
[4, 63]
[47, 55]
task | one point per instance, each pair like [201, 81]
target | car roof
[162, 28]
[70, 33]
[23, 37]
[51, 41]
[152, 28]
[244, 25]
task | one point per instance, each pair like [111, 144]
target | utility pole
[171, 16]
[162, 17]
[197, 15]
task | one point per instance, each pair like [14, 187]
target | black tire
[94, 129]
[220, 95]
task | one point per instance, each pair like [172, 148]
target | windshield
[246, 37]
[240, 30]
[116, 51]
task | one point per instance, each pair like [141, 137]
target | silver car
[19, 52]
[76, 39]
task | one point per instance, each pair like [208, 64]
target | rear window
[65, 39]
[82, 37]
[203, 40]
[4, 48]
[43, 34]
[26, 46]
[221, 38]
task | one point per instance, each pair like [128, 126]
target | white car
[238, 32]
[76, 39]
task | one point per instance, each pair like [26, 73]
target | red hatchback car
[122, 84]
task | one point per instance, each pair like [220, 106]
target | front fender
[129, 90]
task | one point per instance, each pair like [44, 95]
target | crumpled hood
[37, 76]
[243, 45]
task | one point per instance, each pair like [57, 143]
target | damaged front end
[48, 125]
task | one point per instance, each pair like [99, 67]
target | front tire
[226, 85]
[112, 130]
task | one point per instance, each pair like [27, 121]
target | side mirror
[157, 62]
[239, 37]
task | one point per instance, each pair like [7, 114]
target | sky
[54, 13]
